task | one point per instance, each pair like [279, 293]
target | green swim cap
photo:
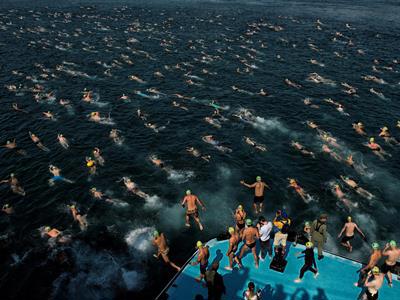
[393, 243]
[307, 223]
[258, 178]
[375, 270]
[188, 192]
[199, 244]
[375, 246]
[249, 222]
[47, 228]
[156, 233]
[231, 230]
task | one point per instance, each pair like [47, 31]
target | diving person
[191, 211]
[348, 230]
[160, 241]
[258, 186]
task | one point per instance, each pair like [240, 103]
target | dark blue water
[98, 45]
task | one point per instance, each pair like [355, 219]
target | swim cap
[93, 189]
[249, 222]
[12, 175]
[375, 246]
[307, 223]
[360, 124]
[375, 270]
[371, 140]
[385, 129]
[90, 163]
[6, 205]
[393, 243]
[258, 178]
[231, 230]
[156, 233]
[72, 206]
[309, 245]
[188, 192]
[199, 244]
[292, 180]
[47, 228]
[240, 207]
[349, 219]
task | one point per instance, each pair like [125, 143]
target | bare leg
[187, 221]
[244, 249]
[255, 207]
[230, 267]
[255, 256]
[261, 206]
[198, 222]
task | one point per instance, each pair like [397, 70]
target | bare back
[250, 234]
[161, 243]
[392, 256]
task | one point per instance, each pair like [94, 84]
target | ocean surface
[222, 51]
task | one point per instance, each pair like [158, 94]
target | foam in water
[140, 239]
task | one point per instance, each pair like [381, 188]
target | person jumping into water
[57, 175]
[191, 202]
[160, 241]
[258, 186]
[348, 230]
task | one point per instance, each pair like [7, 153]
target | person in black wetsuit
[309, 262]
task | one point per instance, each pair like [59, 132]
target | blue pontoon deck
[335, 282]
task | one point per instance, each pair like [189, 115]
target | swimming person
[191, 211]
[233, 247]
[392, 254]
[97, 156]
[7, 209]
[91, 164]
[359, 190]
[202, 259]
[81, 219]
[250, 237]
[309, 262]
[160, 241]
[373, 285]
[133, 188]
[258, 186]
[240, 217]
[63, 141]
[299, 190]
[302, 149]
[359, 128]
[56, 175]
[16, 188]
[348, 230]
[12, 145]
[37, 142]
[319, 233]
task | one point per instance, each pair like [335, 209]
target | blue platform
[335, 282]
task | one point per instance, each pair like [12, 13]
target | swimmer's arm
[4, 181]
[201, 203]
[266, 185]
[371, 283]
[183, 202]
[359, 231]
[341, 232]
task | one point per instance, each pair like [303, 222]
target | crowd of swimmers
[274, 238]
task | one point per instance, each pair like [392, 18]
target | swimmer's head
[393, 243]
[12, 175]
[375, 270]
[371, 140]
[90, 163]
[258, 178]
[240, 207]
[309, 245]
[199, 244]
[93, 189]
[47, 228]
[375, 246]
[156, 233]
[188, 192]
[359, 124]
[231, 230]
[93, 113]
[72, 206]
[307, 224]
[348, 219]
[292, 181]
[385, 129]
[6, 206]
[249, 222]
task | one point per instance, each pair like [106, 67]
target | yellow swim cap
[375, 270]
[231, 230]
[199, 244]
[93, 113]
[292, 181]
[385, 129]
[240, 207]
[371, 140]
[90, 163]
[349, 219]
[309, 245]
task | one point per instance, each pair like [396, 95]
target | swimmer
[137, 79]
[385, 134]
[114, 135]
[299, 190]
[141, 115]
[95, 117]
[176, 104]
[300, 147]
[37, 142]
[259, 187]
[240, 217]
[252, 143]
[78, 217]
[16, 108]
[12, 145]
[263, 93]
[307, 101]
[337, 191]
[349, 229]
[202, 259]
[63, 141]
[212, 122]
[312, 125]
[16, 188]
[250, 237]
[293, 84]
[351, 183]
[359, 128]
[398, 124]
[49, 115]
[329, 139]
[160, 241]
[56, 175]
[96, 194]
[157, 162]
[87, 96]
[124, 97]
[133, 188]
[97, 156]
[333, 154]
[373, 284]
[392, 254]
[233, 247]
[51, 232]
[91, 164]
[376, 148]
[7, 209]
[191, 202]
[193, 151]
